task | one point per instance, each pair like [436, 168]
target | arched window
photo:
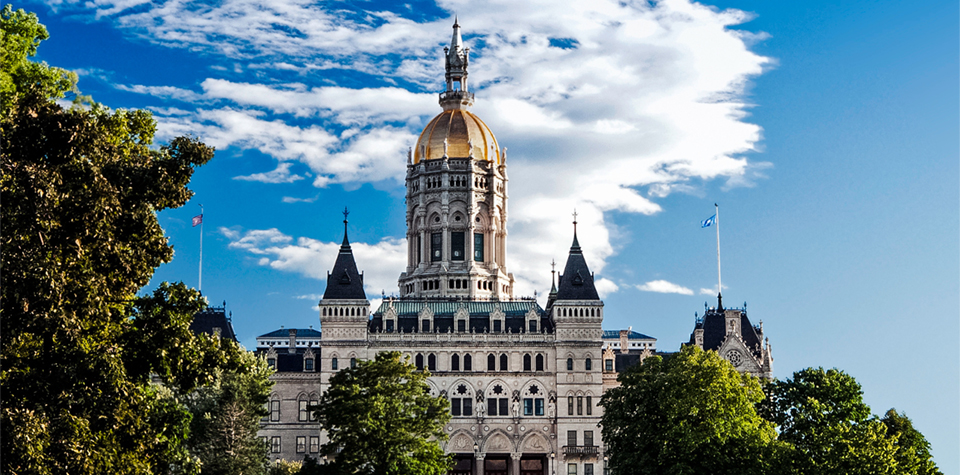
[432, 362]
[418, 361]
[455, 363]
[569, 364]
[353, 362]
[333, 364]
[539, 362]
[503, 362]
[588, 364]
[527, 363]
[491, 362]
[467, 363]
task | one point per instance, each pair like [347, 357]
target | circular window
[436, 219]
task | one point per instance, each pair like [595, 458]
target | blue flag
[708, 222]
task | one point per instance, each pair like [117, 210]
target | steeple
[576, 282]
[345, 282]
[456, 59]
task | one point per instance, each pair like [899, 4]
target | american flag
[197, 219]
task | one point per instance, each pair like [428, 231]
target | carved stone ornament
[735, 357]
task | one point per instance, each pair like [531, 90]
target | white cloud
[309, 297]
[648, 100]
[605, 287]
[312, 258]
[346, 106]
[280, 175]
[366, 155]
[164, 92]
[664, 287]
[710, 291]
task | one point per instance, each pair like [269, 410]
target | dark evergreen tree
[226, 418]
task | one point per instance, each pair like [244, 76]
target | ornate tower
[456, 199]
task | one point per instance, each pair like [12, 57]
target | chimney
[292, 348]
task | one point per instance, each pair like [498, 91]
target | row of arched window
[495, 362]
[577, 312]
[342, 311]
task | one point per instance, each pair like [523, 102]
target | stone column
[514, 464]
[478, 464]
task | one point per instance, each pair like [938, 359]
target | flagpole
[200, 280]
[719, 282]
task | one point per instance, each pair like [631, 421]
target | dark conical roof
[345, 282]
[576, 282]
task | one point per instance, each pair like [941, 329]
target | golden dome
[461, 129]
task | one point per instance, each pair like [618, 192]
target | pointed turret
[576, 282]
[456, 60]
[345, 282]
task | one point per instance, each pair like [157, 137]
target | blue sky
[826, 131]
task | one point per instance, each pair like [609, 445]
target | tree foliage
[80, 190]
[913, 451]
[20, 34]
[226, 418]
[821, 414]
[382, 419]
[689, 414]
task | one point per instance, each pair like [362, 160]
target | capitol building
[523, 381]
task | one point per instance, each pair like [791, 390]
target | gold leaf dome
[460, 128]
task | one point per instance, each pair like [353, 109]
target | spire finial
[456, 20]
[346, 212]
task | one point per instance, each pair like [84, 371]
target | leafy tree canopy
[822, 415]
[80, 192]
[913, 451]
[20, 34]
[382, 418]
[689, 414]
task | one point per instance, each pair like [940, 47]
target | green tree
[80, 190]
[226, 418]
[691, 413]
[382, 419]
[913, 451]
[20, 34]
[822, 415]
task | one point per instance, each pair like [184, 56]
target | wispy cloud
[316, 297]
[311, 258]
[710, 291]
[280, 175]
[163, 92]
[664, 287]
